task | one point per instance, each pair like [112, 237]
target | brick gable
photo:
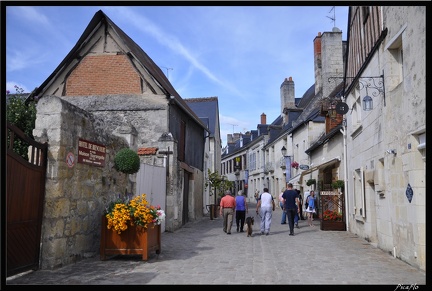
[102, 75]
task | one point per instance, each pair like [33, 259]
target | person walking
[291, 205]
[297, 213]
[256, 195]
[227, 206]
[281, 204]
[266, 205]
[310, 210]
[301, 205]
[241, 209]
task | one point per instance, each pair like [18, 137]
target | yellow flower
[137, 211]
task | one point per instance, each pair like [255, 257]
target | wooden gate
[25, 193]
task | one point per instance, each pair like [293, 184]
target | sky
[240, 54]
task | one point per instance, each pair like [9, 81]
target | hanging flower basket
[311, 182]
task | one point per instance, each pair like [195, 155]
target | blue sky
[240, 54]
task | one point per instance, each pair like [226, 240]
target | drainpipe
[343, 130]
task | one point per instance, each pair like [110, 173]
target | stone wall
[76, 195]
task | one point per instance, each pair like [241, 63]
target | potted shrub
[127, 161]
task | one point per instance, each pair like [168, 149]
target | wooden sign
[91, 153]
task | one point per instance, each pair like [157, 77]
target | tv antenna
[233, 126]
[334, 15]
[167, 69]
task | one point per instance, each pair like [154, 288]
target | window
[395, 60]
[420, 140]
[252, 162]
[359, 201]
[422, 144]
[356, 111]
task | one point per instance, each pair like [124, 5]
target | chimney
[229, 138]
[287, 94]
[332, 60]
[317, 63]
[263, 118]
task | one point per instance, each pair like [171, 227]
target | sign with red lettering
[91, 153]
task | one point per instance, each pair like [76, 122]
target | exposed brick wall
[102, 75]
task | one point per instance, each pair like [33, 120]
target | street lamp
[287, 168]
[283, 150]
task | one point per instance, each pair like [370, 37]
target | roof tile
[147, 151]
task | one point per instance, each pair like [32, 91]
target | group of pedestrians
[229, 205]
[290, 201]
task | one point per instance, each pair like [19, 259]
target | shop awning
[317, 167]
[295, 180]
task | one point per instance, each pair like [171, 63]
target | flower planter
[134, 240]
[332, 225]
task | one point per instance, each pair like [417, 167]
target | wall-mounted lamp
[391, 151]
[367, 103]
[376, 84]
[283, 151]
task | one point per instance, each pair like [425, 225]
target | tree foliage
[21, 115]
[217, 183]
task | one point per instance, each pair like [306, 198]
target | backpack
[307, 203]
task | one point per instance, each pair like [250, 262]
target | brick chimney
[263, 118]
[317, 63]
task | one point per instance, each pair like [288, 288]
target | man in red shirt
[227, 206]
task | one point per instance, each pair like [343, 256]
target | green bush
[338, 184]
[311, 182]
[127, 161]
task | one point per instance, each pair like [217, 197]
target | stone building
[108, 91]
[386, 128]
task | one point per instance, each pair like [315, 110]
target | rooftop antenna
[233, 126]
[334, 15]
[167, 69]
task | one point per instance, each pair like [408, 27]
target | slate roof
[297, 117]
[206, 109]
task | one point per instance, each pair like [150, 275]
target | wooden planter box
[333, 225]
[134, 240]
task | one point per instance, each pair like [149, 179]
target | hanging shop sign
[304, 167]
